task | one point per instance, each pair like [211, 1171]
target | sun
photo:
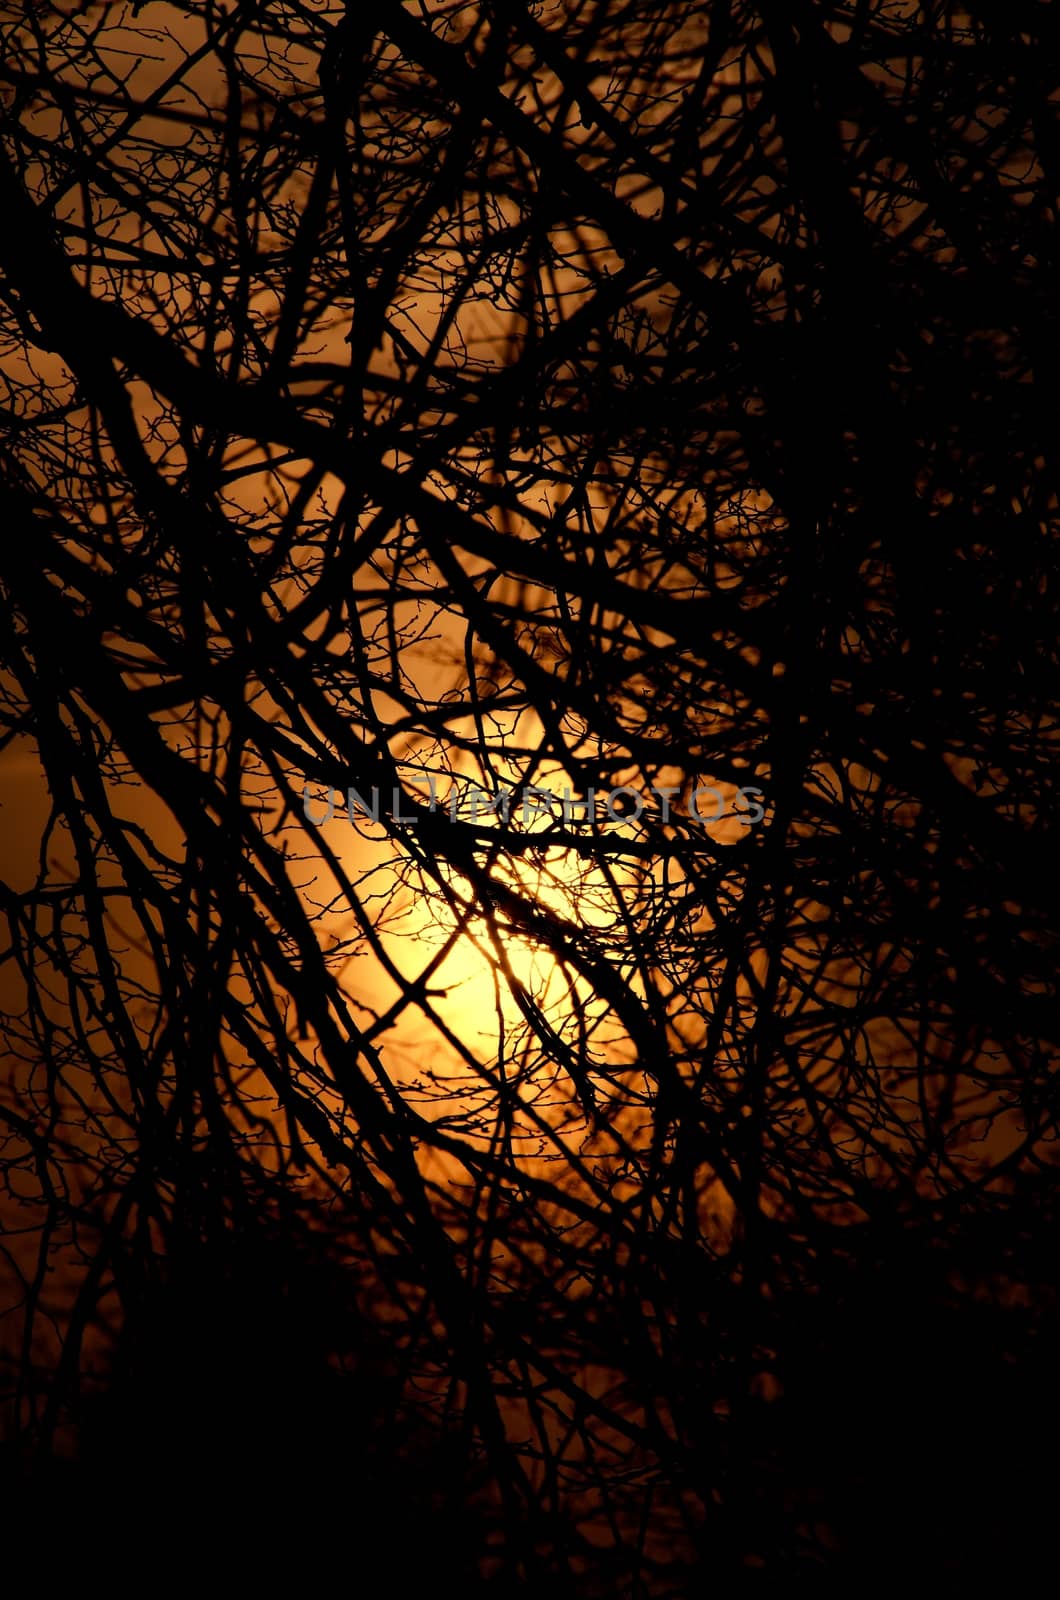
[454, 979]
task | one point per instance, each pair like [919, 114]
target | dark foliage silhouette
[424, 421]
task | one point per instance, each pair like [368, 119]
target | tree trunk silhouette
[528, 731]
